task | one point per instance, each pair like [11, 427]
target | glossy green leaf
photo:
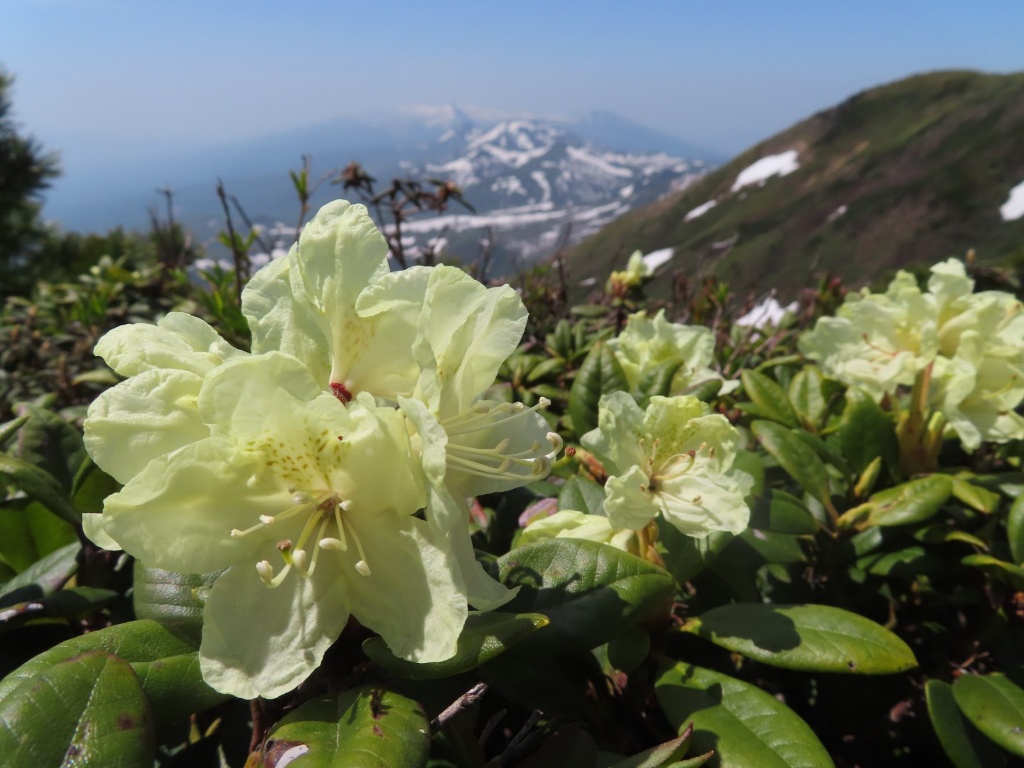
[43, 577]
[752, 464]
[73, 603]
[39, 485]
[783, 512]
[1015, 529]
[974, 496]
[582, 495]
[744, 725]
[91, 486]
[1014, 574]
[167, 666]
[907, 562]
[368, 727]
[657, 381]
[812, 638]
[544, 369]
[484, 636]
[866, 432]
[770, 399]
[910, 502]
[995, 706]
[50, 443]
[671, 754]
[774, 547]
[29, 532]
[949, 725]
[600, 374]
[806, 393]
[795, 457]
[568, 747]
[88, 710]
[589, 591]
[176, 600]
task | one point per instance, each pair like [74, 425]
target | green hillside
[902, 174]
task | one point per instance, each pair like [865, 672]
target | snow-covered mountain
[531, 180]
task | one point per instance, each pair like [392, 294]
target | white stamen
[267, 519]
[334, 544]
[301, 562]
[362, 568]
[556, 441]
[266, 571]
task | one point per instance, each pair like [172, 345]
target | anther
[335, 544]
[301, 562]
[266, 571]
[362, 568]
[556, 441]
[267, 519]
[503, 445]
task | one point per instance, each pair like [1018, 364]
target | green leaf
[770, 399]
[599, 375]
[74, 603]
[42, 578]
[49, 443]
[29, 532]
[908, 562]
[866, 432]
[667, 755]
[1004, 571]
[656, 381]
[582, 495]
[808, 398]
[783, 512]
[744, 725]
[484, 636]
[167, 666]
[911, 502]
[176, 600]
[89, 710]
[974, 496]
[39, 485]
[812, 638]
[1015, 529]
[366, 727]
[774, 547]
[949, 725]
[796, 458]
[569, 747]
[996, 708]
[91, 486]
[544, 369]
[589, 591]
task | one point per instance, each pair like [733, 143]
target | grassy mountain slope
[902, 174]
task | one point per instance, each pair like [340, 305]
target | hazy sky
[97, 74]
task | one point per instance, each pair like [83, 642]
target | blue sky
[98, 75]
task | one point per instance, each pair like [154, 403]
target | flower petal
[628, 500]
[447, 516]
[143, 418]
[179, 511]
[411, 596]
[616, 440]
[264, 642]
[179, 341]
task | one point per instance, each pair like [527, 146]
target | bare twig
[465, 701]
[252, 228]
[240, 258]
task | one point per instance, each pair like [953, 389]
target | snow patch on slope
[655, 259]
[700, 210]
[1013, 208]
[782, 164]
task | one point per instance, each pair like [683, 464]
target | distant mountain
[531, 181]
[900, 175]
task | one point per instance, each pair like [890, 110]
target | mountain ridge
[908, 172]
